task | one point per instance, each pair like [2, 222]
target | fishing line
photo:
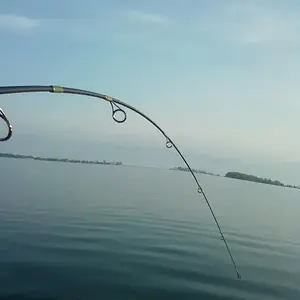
[116, 110]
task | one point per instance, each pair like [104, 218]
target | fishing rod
[115, 109]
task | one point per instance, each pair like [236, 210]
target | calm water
[102, 232]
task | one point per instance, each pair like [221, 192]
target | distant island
[65, 160]
[247, 177]
[241, 176]
[185, 169]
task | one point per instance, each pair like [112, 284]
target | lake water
[70, 231]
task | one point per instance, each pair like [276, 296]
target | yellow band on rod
[108, 98]
[58, 89]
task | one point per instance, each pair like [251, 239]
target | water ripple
[63, 245]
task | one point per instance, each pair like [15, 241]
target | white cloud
[268, 28]
[253, 22]
[17, 22]
[144, 17]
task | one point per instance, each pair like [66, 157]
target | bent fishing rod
[115, 107]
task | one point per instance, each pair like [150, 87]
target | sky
[220, 77]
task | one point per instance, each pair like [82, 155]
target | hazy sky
[221, 77]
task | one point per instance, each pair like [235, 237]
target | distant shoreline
[232, 175]
[65, 160]
[185, 169]
[240, 176]
[247, 177]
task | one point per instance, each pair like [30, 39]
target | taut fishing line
[115, 109]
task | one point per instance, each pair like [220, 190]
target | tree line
[66, 160]
[247, 177]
